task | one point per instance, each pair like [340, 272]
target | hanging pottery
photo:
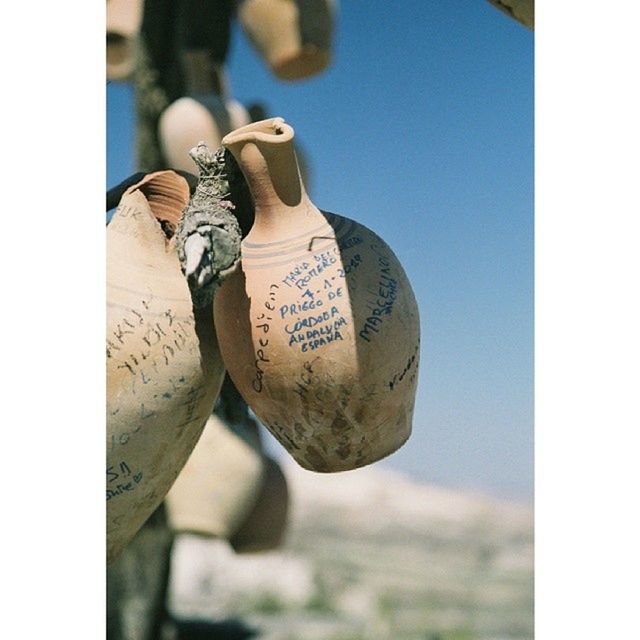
[520, 10]
[123, 23]
[294, 37]
[220, 482]
[264, 528]
[189, 120]
[319, 330]
[164, 368]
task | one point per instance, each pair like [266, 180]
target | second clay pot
[164, 369]
[220, 482]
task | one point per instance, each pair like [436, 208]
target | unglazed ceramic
[294, 37]
[264, 528]
[164, 369]
[221, 481]
[188, 121]
[123, 23]
[319, 329]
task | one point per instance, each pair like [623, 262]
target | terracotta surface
[294, 37]
[264, 528]
[319, 330]
[188, 121]
[221, 481]
[123, 23]
[164, 368]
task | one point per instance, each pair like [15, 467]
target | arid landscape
[369, 555]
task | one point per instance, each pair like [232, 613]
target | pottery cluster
[164, 373]
[311, 314]
[293, 37]
[317, 326]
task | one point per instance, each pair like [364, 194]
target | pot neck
[265, 153]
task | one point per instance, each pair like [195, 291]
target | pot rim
[272, 131]
[166, 193]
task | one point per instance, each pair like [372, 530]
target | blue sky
[422, 129]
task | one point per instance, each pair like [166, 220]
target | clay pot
[319, 329]
[220, 482]
[123, 23]
[520, 10]
[294, 37]
[264, 528]
[188, 121]
[164, 368]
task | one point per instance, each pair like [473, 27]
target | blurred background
[421, 128]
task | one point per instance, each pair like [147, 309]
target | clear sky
[422, 129]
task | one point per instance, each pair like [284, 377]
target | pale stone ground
[371, 555]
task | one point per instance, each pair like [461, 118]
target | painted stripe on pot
[252, 245]
[251, 263]
[326, 231]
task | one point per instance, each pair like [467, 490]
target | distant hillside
[372, 555]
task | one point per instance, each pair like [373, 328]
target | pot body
[294, 37]
[320, 333]
[123, 23]
[264, 527]
[189, 120]
[220, 482]
[164, 369]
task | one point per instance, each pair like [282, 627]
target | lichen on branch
[209, 235]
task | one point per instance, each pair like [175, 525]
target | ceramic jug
[294, 37]
[189, 120]
[220, 482]
[264, 527]
[319, 329]
[164, 368]
[123, 23]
